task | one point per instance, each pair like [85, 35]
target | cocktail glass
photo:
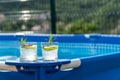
[49, 51]
[28, 52]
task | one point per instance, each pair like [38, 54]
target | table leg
[40, 74]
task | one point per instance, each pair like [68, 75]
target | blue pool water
[10, 50]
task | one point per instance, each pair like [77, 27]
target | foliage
[73, 16]
[88, 16]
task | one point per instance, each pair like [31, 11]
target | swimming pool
[99, 55]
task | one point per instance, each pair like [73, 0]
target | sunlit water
[11, 50]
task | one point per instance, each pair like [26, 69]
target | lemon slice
[30, 46]
[49, 48]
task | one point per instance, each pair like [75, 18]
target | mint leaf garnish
[22, 41]
[50, 39]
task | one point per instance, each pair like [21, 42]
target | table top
[38, 63]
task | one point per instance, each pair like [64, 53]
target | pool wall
[101, 67]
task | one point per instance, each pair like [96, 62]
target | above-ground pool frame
[99, 67]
